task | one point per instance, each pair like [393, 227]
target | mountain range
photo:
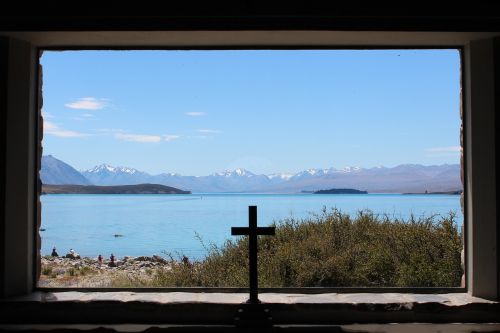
[405, 178]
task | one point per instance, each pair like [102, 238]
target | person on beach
[72, 254]
[99, 259]
[54, 252]
[112, 261]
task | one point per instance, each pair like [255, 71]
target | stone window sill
[73, 307]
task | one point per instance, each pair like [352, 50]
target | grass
[331, 249]
[50, 271]
[47, 270]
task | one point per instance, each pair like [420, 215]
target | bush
[331, 249]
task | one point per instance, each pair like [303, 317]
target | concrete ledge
[450, 299]
[359, 328]
[182, 308]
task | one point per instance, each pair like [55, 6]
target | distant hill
[340, 191]
[55, 171]
[123, 189]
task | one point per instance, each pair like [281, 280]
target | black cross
[252, 231]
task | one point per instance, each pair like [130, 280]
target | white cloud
[143, 138]
[195, 114]
[87, 103]
[208, 131]
[170, 137]
[53, 129]
[46, 115]
[87, 115]
[450, 149]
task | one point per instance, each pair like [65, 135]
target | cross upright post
[252, 231]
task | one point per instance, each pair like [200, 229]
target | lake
[153, 224]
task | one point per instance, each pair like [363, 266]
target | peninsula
[453, 192]
[119, 189]
[340, 191]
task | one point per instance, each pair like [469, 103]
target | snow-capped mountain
[106, 174]
[109, 168]
[311, 173]
[280, 176]
[235, 173]
[400, 179]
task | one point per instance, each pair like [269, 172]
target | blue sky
[199, 112]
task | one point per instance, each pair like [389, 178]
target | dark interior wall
[496, 65]
[254, 15]
[4, 50]
[242, 19]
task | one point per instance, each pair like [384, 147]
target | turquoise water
[152, 224]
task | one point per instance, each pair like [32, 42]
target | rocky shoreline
[88, 272]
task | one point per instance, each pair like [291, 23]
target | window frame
[300, 290]
[468, 44]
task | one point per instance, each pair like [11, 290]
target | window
[19, 261]
[285, 125]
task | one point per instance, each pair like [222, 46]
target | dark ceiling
[252, 15]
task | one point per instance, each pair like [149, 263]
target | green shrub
[331, 249]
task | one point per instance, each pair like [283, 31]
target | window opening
[152, 157]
